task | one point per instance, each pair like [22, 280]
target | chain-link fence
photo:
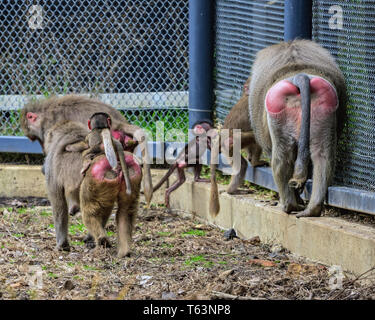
[130, 54]
[242, 29]
[347, 30]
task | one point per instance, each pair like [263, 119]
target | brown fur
[99, 140]
[237, 118]
[96, 198]
[279, 62]
[193, 149]
[97, 201]
[78, 108]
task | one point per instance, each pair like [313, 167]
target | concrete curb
[22, 181]
[331, 241]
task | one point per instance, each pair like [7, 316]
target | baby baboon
[98, 139]
[191, 150]
[237, 118]
[101, 187]
[37, 117]
[292, 82]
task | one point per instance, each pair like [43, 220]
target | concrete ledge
[331, 241]
[28, 181]
[22, 181]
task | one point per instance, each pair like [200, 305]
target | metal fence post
[297, 19]
[201, 59]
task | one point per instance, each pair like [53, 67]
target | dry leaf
[263, 263]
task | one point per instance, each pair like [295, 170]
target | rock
[254, 240]
[201, 227]
[230, 234]
[18, 204]
[168, 296]
[277, 248]
[144, 280]
[68, 285]
[225, 274]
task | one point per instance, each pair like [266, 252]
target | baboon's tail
[302, 82]
[162, 180]
[108, 148]
[214, 205]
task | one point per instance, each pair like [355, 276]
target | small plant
[52, 275]
[78, 243]
[18, 235]
[194, 232]
[167, 245]
[45, 213]
[89, 268]
[76, 229]
[164, 234]
[193, 260]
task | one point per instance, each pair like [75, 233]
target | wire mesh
[347, 30]
[130, 54]
[242, 29]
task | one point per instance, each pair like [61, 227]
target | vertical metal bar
[201, 59]
[297, 19]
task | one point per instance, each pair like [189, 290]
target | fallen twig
[222, 295]
[352, 282]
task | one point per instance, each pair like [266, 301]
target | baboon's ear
[89, 124]
[31, 116]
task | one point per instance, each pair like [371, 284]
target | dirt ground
[174, 257]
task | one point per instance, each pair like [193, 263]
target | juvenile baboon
[101, 187]
[98, 139]
[292, 82]
[237, 118]
[38, 116]
[191, 150]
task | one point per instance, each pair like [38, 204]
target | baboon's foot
[299, 200]
[230, 191]
[292, 207]
[255, 164]
[73, 210]
[104, 242]
[64, 246]
[314, 212]
[89, 241]
[123, 253]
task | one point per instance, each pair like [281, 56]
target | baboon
[97, 192]
[98, 139]
[291, 83]
[38, 116]
[237, 118]
[191, 150]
